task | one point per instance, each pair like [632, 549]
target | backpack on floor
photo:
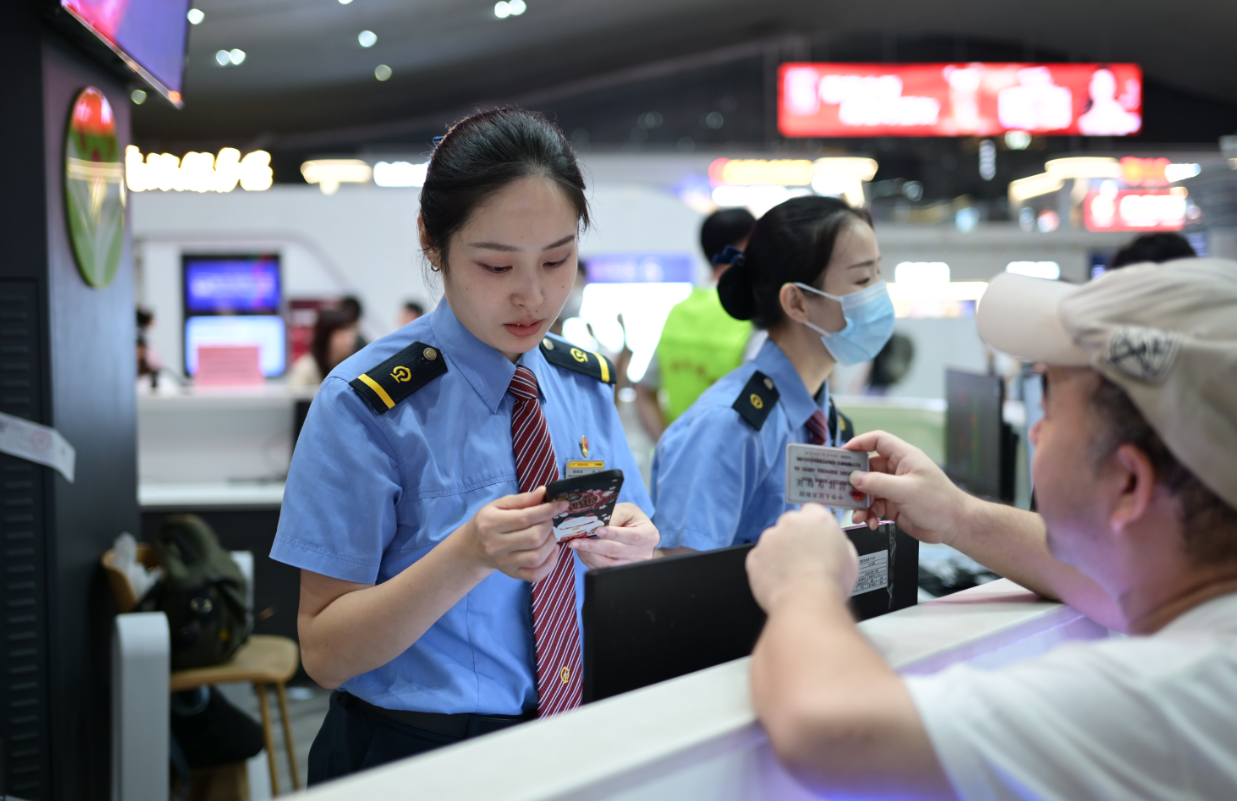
[203, 594]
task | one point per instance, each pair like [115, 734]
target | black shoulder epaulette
[841, 429]
[569, 357]
[399, 376]
[756, 400]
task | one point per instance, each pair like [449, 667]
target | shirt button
[430, 354]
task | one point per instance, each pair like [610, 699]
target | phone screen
[592, 500]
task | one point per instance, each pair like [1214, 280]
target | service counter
[696, 736]
[224, 455]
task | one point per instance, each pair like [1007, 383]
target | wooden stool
[263, 660]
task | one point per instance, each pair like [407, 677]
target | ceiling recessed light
[367, 38]
[196, 15]
[344, 2]
[237, 56]
[382, 72]
[502, 9]
[517, 7]
[224, 58]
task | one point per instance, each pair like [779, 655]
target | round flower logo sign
[94, 188]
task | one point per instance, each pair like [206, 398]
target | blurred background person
[152, 373]
[700, 342]
[411, 311]
[1158, 248]
[351, 306]
[147, 359]
[890, 365]
[335, 339]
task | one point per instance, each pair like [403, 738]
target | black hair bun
[735, 291]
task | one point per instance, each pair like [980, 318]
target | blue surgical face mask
[869, 323]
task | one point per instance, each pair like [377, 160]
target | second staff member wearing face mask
[811, 277]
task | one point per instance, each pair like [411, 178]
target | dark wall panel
[24, 687]
[66, 360]
[93, 372]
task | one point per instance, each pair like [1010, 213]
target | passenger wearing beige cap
[1136, 478]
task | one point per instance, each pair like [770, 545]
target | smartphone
[592, 498]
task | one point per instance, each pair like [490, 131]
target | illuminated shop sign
[641, 268]
[198, 172]
[959, 99]
[1155, 172]
[1112, 209]
[761, 184]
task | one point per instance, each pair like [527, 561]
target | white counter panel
[696, 736]
[215, 437]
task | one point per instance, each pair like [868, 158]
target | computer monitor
[1032, 398]
[664, 618]
[234, 300]
[979, 446]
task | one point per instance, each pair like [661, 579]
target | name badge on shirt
[580, 468]
[818, 474]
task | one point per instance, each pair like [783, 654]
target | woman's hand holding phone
[630, 537]
[515, 535]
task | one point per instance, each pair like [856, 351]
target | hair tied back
[730, 255]
[735, 290]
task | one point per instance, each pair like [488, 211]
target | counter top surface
[210, 494]
[707, 710]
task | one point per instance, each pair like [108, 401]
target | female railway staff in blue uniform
[433, 593]
[811, 277]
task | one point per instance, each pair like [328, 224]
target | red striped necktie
[818, 428]
[555, 632]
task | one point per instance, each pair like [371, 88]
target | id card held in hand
[591, 498]
[818, 474]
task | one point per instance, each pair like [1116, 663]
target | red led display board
[1135, 210]
[959, 99]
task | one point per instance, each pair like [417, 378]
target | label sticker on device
[873, 573]
[817, 474]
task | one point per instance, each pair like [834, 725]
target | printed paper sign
[873, 573]
[37, 443]
[817, 474]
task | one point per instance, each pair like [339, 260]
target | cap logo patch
[1143, 353]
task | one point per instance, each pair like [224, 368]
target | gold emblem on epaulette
[757, 402]
[401, 374]
[579, 355]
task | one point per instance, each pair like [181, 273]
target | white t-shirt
[1138, 717]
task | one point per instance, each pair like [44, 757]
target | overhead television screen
[231, 285]
[148, 35]
[965, 99]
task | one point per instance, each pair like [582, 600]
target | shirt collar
[484, 367]
[792, 394]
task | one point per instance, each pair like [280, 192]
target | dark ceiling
[308, 86]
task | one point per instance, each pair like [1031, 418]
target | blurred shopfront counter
[696, 736]
[224, 454]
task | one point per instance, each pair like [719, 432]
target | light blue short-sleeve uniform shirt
[368, 495]
[718, 480]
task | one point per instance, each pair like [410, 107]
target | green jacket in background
[699, 344]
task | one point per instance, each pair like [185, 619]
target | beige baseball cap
[1164, 333]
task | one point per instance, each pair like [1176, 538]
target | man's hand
[908, 488]
[630, 537]
[805, 553]
[515, 535]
